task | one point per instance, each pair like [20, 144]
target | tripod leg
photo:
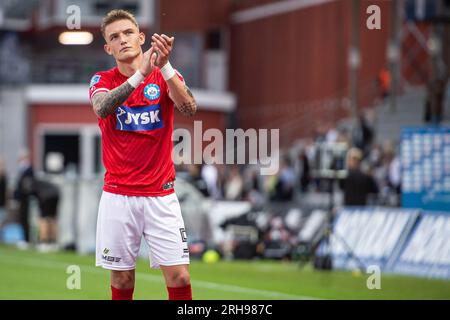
[361, 265]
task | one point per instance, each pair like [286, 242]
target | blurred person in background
[48, 196]
[3, 189]
[134, 103]
[210, 174]
[392, 174]
[23, 193]
[253, 190]
[363, 134]
[357, 186]
[304, 171]
[384, 83]
[434, 101]
[285, 182]
[196, 179]
[234, 184]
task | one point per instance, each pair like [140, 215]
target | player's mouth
[125, 49]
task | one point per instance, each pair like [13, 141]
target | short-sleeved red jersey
[137, 138]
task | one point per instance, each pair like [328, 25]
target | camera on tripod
[329, 166]
[329, 160]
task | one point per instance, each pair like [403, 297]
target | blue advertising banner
[403, 241]
[427, 251]
[425, 158]
[375, 235]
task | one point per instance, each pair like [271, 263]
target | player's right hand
[148, 63]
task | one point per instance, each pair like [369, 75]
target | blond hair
[115, 15]
[355, 154]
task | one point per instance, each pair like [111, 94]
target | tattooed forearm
[106, 103]
[188, 108]
[188, 91]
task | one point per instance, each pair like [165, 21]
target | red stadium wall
[193, 15]
[283, 66]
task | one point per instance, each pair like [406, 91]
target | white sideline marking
[52, 264]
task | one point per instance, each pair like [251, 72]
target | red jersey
[137, 138]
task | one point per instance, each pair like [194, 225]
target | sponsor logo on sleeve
[95, 79]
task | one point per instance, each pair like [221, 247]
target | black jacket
[357, 187]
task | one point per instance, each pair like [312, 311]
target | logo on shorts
[185, 253]
[109, 258]
[152, 91]
[183, 235]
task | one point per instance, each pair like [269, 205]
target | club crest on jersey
[95, 79]
[144, 118]
[151, 91]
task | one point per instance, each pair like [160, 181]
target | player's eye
[113, 37]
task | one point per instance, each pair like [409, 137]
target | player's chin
[126, 55]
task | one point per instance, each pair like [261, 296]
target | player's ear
[141, 38]
[107, 49]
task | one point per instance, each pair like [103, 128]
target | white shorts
[123, 220]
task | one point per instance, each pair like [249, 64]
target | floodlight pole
[354, 60]
[393, 53]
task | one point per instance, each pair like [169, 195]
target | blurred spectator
[447, 97]
[48, 196]
[375, 156]
[285, 182]
[344, 136]
[384, 82]
[210, 175]
[304, 171]
[363, 134]
[234, 184]
[196, 178]
[320, 133]
[253, 190]
[23, 191]
[434, 103]
[3, 186]
[393, 170]
[332, 134]
[357, 186]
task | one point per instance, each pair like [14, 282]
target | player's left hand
[162, 45]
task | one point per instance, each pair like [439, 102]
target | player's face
[123, 40]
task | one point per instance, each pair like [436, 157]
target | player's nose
[123, 39]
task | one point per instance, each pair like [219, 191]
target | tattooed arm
[182, 96]
[106, 103]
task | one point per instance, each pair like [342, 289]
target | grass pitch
[32, 275]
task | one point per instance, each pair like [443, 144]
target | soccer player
[134, 103]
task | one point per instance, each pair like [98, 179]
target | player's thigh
[119, 232]
[164, 232]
